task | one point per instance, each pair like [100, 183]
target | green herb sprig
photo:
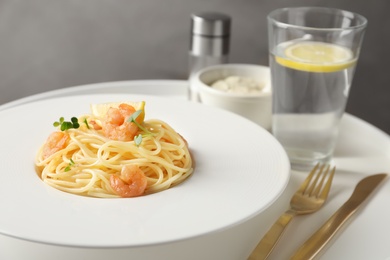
[65, 125]
[138, 140]
[86, 122]
[71, 163]
[132, 119]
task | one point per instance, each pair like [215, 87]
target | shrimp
[132, 182]
[54, 143]
[95, 125]
[116, 127]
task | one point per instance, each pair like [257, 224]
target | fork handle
[268, 242]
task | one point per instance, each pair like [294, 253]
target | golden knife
[319, 239]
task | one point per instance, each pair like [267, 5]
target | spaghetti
[88, 161]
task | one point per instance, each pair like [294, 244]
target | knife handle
[322, 236]
[268, 242]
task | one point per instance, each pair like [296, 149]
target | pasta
[89, 161]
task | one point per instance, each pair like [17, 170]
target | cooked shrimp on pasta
[113, 152]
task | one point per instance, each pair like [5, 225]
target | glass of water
[313, 54]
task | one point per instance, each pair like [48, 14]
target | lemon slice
[316, 57]
[100, 110]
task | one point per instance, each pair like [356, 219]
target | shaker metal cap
[210, 24]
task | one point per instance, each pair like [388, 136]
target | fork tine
[308, 179]
[318, 186]
[325, 191]
[314, 183]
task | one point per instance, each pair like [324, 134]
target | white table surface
[362, 149]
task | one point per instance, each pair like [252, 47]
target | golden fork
[310, 196]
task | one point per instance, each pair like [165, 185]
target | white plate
[240, 171]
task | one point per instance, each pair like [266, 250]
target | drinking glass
[313, 54]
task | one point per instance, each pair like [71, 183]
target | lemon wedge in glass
[313, 56]
[100, 110]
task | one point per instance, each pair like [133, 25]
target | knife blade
[323, 235]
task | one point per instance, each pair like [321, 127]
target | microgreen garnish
[138, 139]
[86, 123]
[132, 119]
[65, 125]
[134, 116]
[60, 121]
[71, 163]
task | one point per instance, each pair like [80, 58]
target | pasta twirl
[89, 163]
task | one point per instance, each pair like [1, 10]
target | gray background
[52, 44]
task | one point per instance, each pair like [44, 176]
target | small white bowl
[256, 106]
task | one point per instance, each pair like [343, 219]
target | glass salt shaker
[209, 44]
